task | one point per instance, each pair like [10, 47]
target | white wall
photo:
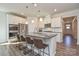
[3, 27]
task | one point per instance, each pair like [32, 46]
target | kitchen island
[47, 38]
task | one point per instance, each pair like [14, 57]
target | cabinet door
[56, 22]
[59, 37]
[23, 29]
[47, 19]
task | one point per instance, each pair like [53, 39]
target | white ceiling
[45, 8]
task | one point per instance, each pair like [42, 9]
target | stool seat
[40, 45]
[44, 46]
[29, 40]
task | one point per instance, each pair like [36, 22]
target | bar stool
[40, 45]
[18, 40]
[24, 48]
[30, 42]
[22, 39]
[18, 37]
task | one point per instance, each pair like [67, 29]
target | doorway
[70, 31]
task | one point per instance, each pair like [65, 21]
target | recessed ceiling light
[35, 4]
[55, 10]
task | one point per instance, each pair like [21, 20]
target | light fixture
[55, 10]
[32, 21]
[41, 19]
[26, 22]
[35, 5]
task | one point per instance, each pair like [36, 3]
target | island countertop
[47, 38]
[43, 35]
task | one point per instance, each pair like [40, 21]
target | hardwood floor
[68, 47]
[62, 50]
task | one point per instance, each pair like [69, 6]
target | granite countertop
[43, 35]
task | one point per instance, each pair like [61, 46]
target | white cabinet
[56, 22]
[57, 28]
[59, 37]
[47, 19]
[15, 19]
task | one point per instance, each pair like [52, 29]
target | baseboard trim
[3, 42]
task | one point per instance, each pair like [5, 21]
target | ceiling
[42, 9]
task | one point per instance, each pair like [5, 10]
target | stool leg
[43, 52]
[32, 49]
[38, 52]
[48, 51]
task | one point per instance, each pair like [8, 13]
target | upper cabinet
[47, 19]
[15, 19]
[56, 22]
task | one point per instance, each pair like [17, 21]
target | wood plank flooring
[68, 47]
[62, 50]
